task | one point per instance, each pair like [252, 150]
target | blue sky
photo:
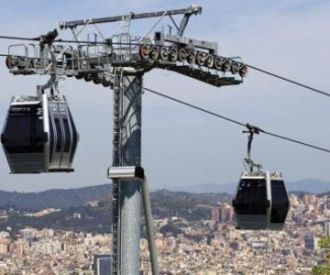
[287, 37]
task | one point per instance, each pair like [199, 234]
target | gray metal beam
[72, 24]
[150, 227]
[127, 145]
[211, 46]
[116, 183]
[183, 24]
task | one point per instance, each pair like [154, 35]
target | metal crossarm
[133, 16]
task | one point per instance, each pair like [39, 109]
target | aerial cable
[245, 125]
[18, 38]
[230, 119]
[226, 118]
[137, 44]
[288, 80]
[195, 107]
[37, 39]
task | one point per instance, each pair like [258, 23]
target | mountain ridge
[53, 198]
[305, 185]
[75, 197]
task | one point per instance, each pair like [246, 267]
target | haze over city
[182, 146]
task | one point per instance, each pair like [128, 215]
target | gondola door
[252, 202]
[67, 135]
[280, 203]
[23, 136]
[64, 137]
[56, 139]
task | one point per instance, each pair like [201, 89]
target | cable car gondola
[39, 135]
[261, 200]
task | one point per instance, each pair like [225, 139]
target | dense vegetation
[185, 205]
[53, 198]
[78, 219]
[77, 215]
[324, 268]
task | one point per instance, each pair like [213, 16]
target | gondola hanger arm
[251, 129]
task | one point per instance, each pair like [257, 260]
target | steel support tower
[126, 152]
[119, 62]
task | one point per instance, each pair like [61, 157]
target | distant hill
[309, 186]
[96, 218]
[183, 204]
[55, 198]
[302, 186]
[206, 188]
[188, 196]
[161, 199]
[192, 206]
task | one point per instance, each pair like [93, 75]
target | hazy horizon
[200, 188]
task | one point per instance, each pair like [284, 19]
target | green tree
[324, 243]
[321, 270]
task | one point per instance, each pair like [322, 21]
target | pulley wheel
[226, 66]
[96, 80]
[144, 51]
[218, 62]
[154, 53]
[191, 58]
[243, 71]
[182, 55]
[11, 62]
[164, 53]
[88, 77]
[235, 66]
[200, 58]
[173, 54]
[209, 61]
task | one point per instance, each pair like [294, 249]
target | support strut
[127, 152]
[251, 130]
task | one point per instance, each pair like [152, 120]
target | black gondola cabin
[39, 135]
[261, 201]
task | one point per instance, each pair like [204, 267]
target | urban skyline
[208, 246]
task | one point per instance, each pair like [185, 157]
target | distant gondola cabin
[261, 201]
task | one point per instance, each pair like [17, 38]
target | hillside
[56, 198]
[191, 195]
[97, 218]
[187, 205]
[301, 186]
[78, 216]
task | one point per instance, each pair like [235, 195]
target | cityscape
[210, 246]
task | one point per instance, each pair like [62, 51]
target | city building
[327, 228]
[102, 264]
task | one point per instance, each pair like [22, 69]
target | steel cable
[246, 125]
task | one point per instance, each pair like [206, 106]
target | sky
[181, 146]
